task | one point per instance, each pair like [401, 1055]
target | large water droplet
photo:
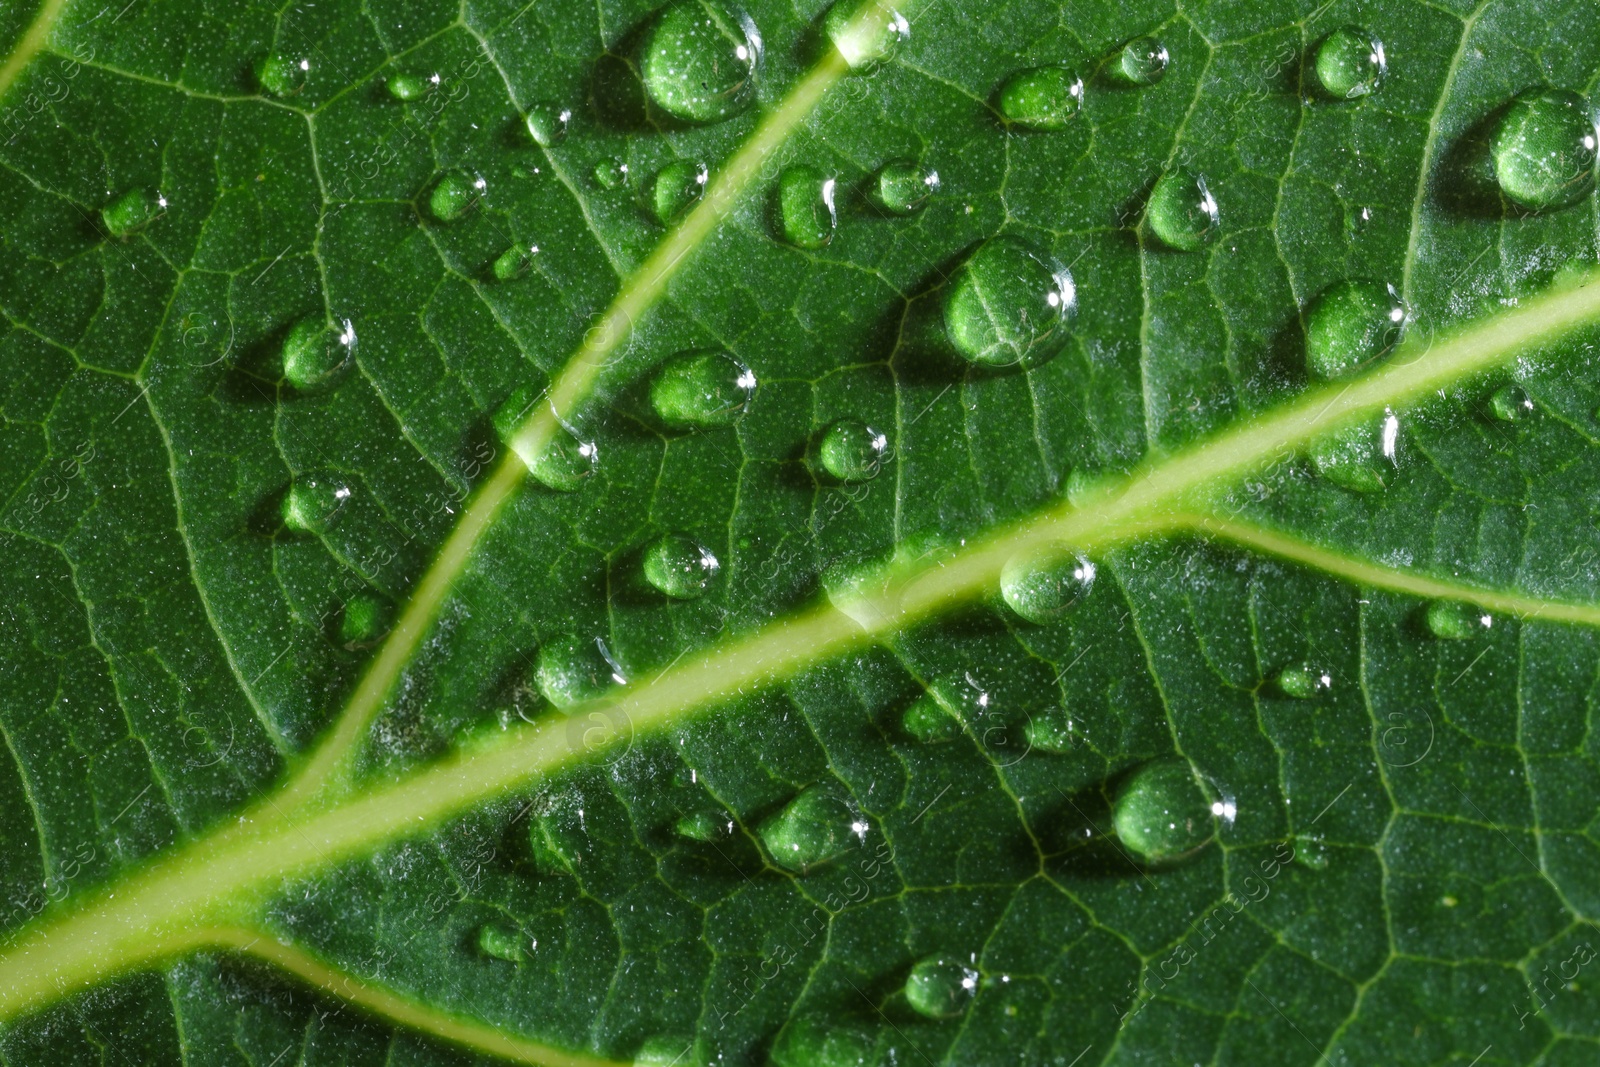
[1009, 304]
[805, 207]
[573, 669]
[1160, 813]
[316, 354]
[1181, 211]
[1511, 403]
[610, 174]
[1041, 586]
[928, 720]
[1363, 457]
[701, 60]
[410, 87]
[1451, 620]
[500, 942]
[815, 828]
[365, 620]
[1041, 98]
[701, 388]
[547, 123]
[852, 451]
[680, 567]
[676, 188]
[314, 502]
[1142, 61]
[1351, 324]
[1544, 149]
[282, 74]
[454, 195]
[941, 987]
[1350, 63]
[566, 463]
[904, 187]
[133, 211]
[865, 32]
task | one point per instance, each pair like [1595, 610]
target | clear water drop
[1362, 458]
[1009, 304]
[676, 188]
[454, 195]
[928, 720]
[547, 123]
[573, 669]
[852, 451]
[566, 463]
[315, 502]
[409, 87]
[941, 987]
[1160, 813]
[806, 213]
[680, 567]
[813, 829]
[1511, 403]
[514, 262]
[701, 388]
[1451, 620]
[500, 942]
[316, 354]
[904, 187]
[1351, 324]
[133, 211]
[701, 60]
[1142, 61]
[1051, 730]
[283, 75]
[1042, 586]
[365, 620]
[610, 174]
[706, 827]
[1301, 682]
[865, 32]
[668, 1050]
[1041, 98]
[1350, 63]
[1181, 212]
[813, 1041]
[1544, 149]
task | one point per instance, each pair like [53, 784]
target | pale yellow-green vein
[29, 44]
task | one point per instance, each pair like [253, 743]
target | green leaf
[993, 584]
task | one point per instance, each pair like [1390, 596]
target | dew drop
[283, 75]
[1351, 324]
[1142, 61]
[1009, 304]
[1361, 458]
[706, 827]
[806, 214]
[701, 388]
[133, 211]
[1160, 813]
[573, 669]
[547, 123]
[929, 721]
[1511, 403]
[1451, 620]
[365, 620]
[514, 262]
[1051, 730]
[1041, 98]
[454, 195]
[904, 188]
[315, 502]
[316, 354]
[810, 1041]
[1301, 682]
[941, 987]
[500, 942]
[1041, 586]
[676, 189]
[667, 1050]
[852, 451]
[865, 32]
[680, 567]
[813, 829]
[566, 463]
[701, 60]
[1350, 63]
[1181, 211]
[1544, 149]
[410, 87]
[610, 174]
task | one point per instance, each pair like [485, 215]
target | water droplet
[514, 262]
[454, 195]
[680, 567]
[667, 1051]
[1544, 149]
[929, 721]
[1311, 852]
[500, 942]
[1451, 620]
[1009, 304]
[412, 86]
[566, 463]
[1051, 730]
[815, 828]
[941, 987]
[1350, 63]
[610, 174]
[133, 211]
[852, 451]
[805, 207]
[676, 188]
[701, 60]
[365, 620]
[1511, 403]
[282, 74]
[1041, 586]
[1142, 61]
[1351, 324]
[1160, 813]
[705, 826]
[1361, 458]
[573, 669]
[865, 32]
[701, 388]
[814, 1042]
[1041, 98]
[547, 123]
[1181, 211]
[316, 354]
[314, 502]
[1302, 682]
[904, 187]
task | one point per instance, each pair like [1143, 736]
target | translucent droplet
[365, 620]
[547, 123]
[133, 211]
[1451, 620]
[1160, 813]
[1361, 458]
[852, 451]
[1351, 324]
[316, 354]
[1544, 149]
[865, 32]
[454, 195]
[941, 987]
[411, 86]
[1181, 211]
[282, 74]
[680, 567]
[701, 60]
[1009, 304]
[610, 174]
[573, 669]
[701, 388]
[1301, 682]
[1051, 730]
[904, 188]
[1142, 61]
[929, 721]
[1511, 403]
[815, 828]
[1041, 98]
[705, 826]
[805, 207]
[314, 502]
[514, 262]
[1350, 63]
[672, 1050]
[500, 942]
[566, 463]
[676, 188]
[1041, 586]
[811, 1041]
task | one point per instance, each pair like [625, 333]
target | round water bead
[705, 826]
[1160, 813]
[1009, 304]
[547, 123]
[610, 174]
[1041, 586]
[133, 211]
[1302, 682]
[1142, 61]
[1361, 458]
[314, 502]
[1544, 148]
[929, 721]
[1181, 211]
[701, 388]
[1451, 620]
[813, 829]
[1511, 403]
[865, 32]
[1350, 63]
[573, 669]
[500, 942]
[701, 60]
[514, 262]
[365, 620]
[316, 354]
[566, 462]
[806, 213]
[904, 187]
[411, 86]
[1041, 98]
[810, 1041]
[852, 451]
[941, 987]
[676, 188]
[454, 195]
[1351, 324]
[680, 567]
[282, 74]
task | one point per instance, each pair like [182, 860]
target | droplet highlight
[904, 187]
[1009, 304]
[852, 451]
[814, 829]
[1350, 325]
[701, 60]
[806, 212]
[941, 987]
[316, 354]
[1350, 63]
[1160, 814]
[1041, 98]
[676, 189]
[1181, 212]
[133, 211]
[1544, 148]
[680, 567]
[1043, 586]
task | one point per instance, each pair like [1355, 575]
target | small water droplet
[454, 195]
[941, 987]
[810, 1041]
[1041, 586]
[668, 1051]
[411, 86]
[1009, 304]
[514, 262]
[1361, 458]
[1301, 682]
[701, 60]
[701, 388]
[676, 188]
[813, 829]
[1161, 814]
[1051, 730]
[904, 187]
[610, 174]
[680, 567]
[566, 463]
[133, 211]
[1350, 63]
[806, 214]
[315, 502]
[706, 827]
[365, 620]
[1142, 61]
[928, 720]
[282, 74]
[500, 942]
[1511, 403]
[1351, 324]
[1311, 851]
[1181, 211]
[1451, 620]
[1544, 149]
[547, 123]
[1041, 98]
[573, 669]
[865, 32]
[852, 451]
[316, 354]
